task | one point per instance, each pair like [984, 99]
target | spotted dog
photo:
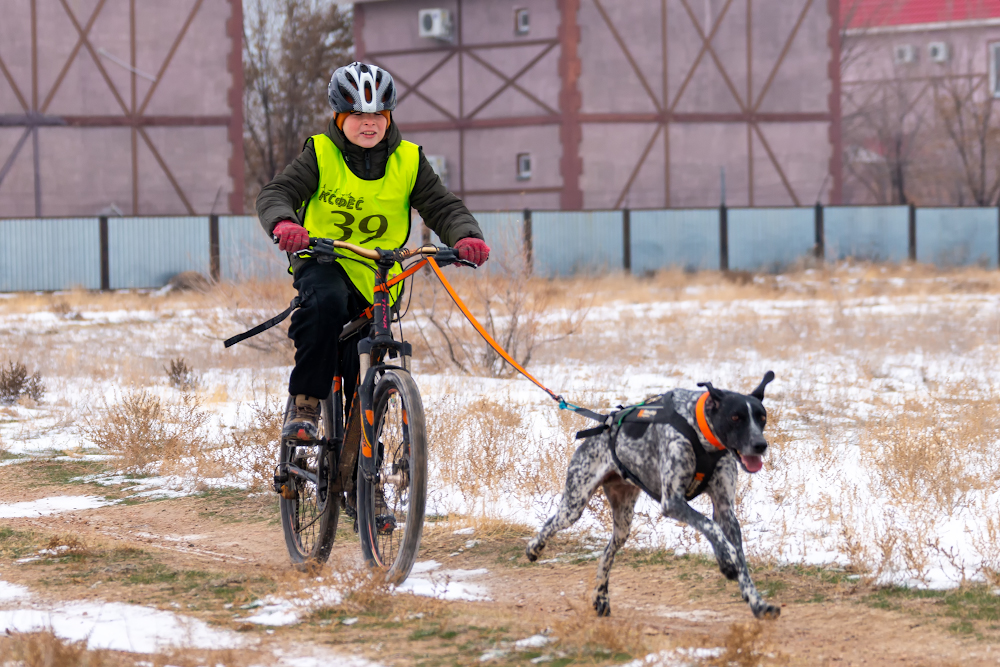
[661, 459]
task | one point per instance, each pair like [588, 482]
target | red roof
[880, 13]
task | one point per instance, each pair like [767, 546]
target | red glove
[473, 250]
[291, 237]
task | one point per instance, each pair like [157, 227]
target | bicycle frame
[373, 348]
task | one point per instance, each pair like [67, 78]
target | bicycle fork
[377, 345]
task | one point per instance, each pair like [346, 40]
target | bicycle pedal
[288, 492]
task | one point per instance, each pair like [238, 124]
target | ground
[232, 553]
[874, 522]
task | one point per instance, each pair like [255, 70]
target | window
[995, 69]
[523, 166]
[522, 22]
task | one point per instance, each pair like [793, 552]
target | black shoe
[302, 421]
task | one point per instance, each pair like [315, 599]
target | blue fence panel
[504, 233]
[680, 238]
[147, 252]
[245, 252]
[957, 236]
[873, 233]
[50, 254]
[568, 242]
[770, 239]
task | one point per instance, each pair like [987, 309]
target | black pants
[329, 301]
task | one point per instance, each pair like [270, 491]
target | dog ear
[758, 393]
[717, 394]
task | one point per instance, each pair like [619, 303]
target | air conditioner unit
[435, 23]
[904, 54]
[440, 167]
[938, 52]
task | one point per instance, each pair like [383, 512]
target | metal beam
[44, 120]
[170, 56]
[462, 47]
[237, 163]
[836, 129]
[570, 102]
[665, 118]
[514, 191]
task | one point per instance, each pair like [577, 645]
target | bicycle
[381, 459]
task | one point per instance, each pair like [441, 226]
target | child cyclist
[355, 183]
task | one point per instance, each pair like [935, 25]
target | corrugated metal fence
[145, 252]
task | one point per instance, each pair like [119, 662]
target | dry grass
[146, 434]
[582, 629]
[45, 649]
[247, 304]
[931, 456]
[181, 376]
[15, 383]
[518, 311]
[252, 449]
[749, 645]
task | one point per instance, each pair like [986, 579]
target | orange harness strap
[706, 430]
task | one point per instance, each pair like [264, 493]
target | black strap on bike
[264, 326]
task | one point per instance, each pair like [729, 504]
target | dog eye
[736, 418]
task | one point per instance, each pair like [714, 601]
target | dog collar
[706, 430]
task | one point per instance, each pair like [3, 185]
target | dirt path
[209, 555]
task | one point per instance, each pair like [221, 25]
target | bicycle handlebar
[443, 255]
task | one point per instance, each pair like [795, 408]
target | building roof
[861, 14]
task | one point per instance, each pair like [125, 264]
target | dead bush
[15, 383]
[253, 449]
[932, 456]
[748, 645]
[181, 376]
[515, 309]
[583, 629]
[142, 431]
[45, 649]
[66, 545]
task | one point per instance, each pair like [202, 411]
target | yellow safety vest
[371, 214]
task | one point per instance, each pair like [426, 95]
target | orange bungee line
[563, 405]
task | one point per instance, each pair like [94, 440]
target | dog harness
[635, 419]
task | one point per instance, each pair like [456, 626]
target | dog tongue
[752, 463]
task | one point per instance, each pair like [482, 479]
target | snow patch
[53, 505]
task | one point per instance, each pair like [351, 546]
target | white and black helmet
[361, 87]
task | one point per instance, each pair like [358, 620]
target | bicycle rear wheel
[309, 513]
[391, 507]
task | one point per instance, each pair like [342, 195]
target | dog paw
[767, 612]
[532, 551]
[602, 605]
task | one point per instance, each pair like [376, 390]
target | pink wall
[88, 156]
[758, 103]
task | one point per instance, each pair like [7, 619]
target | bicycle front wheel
[391, 506]
[308, 512]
